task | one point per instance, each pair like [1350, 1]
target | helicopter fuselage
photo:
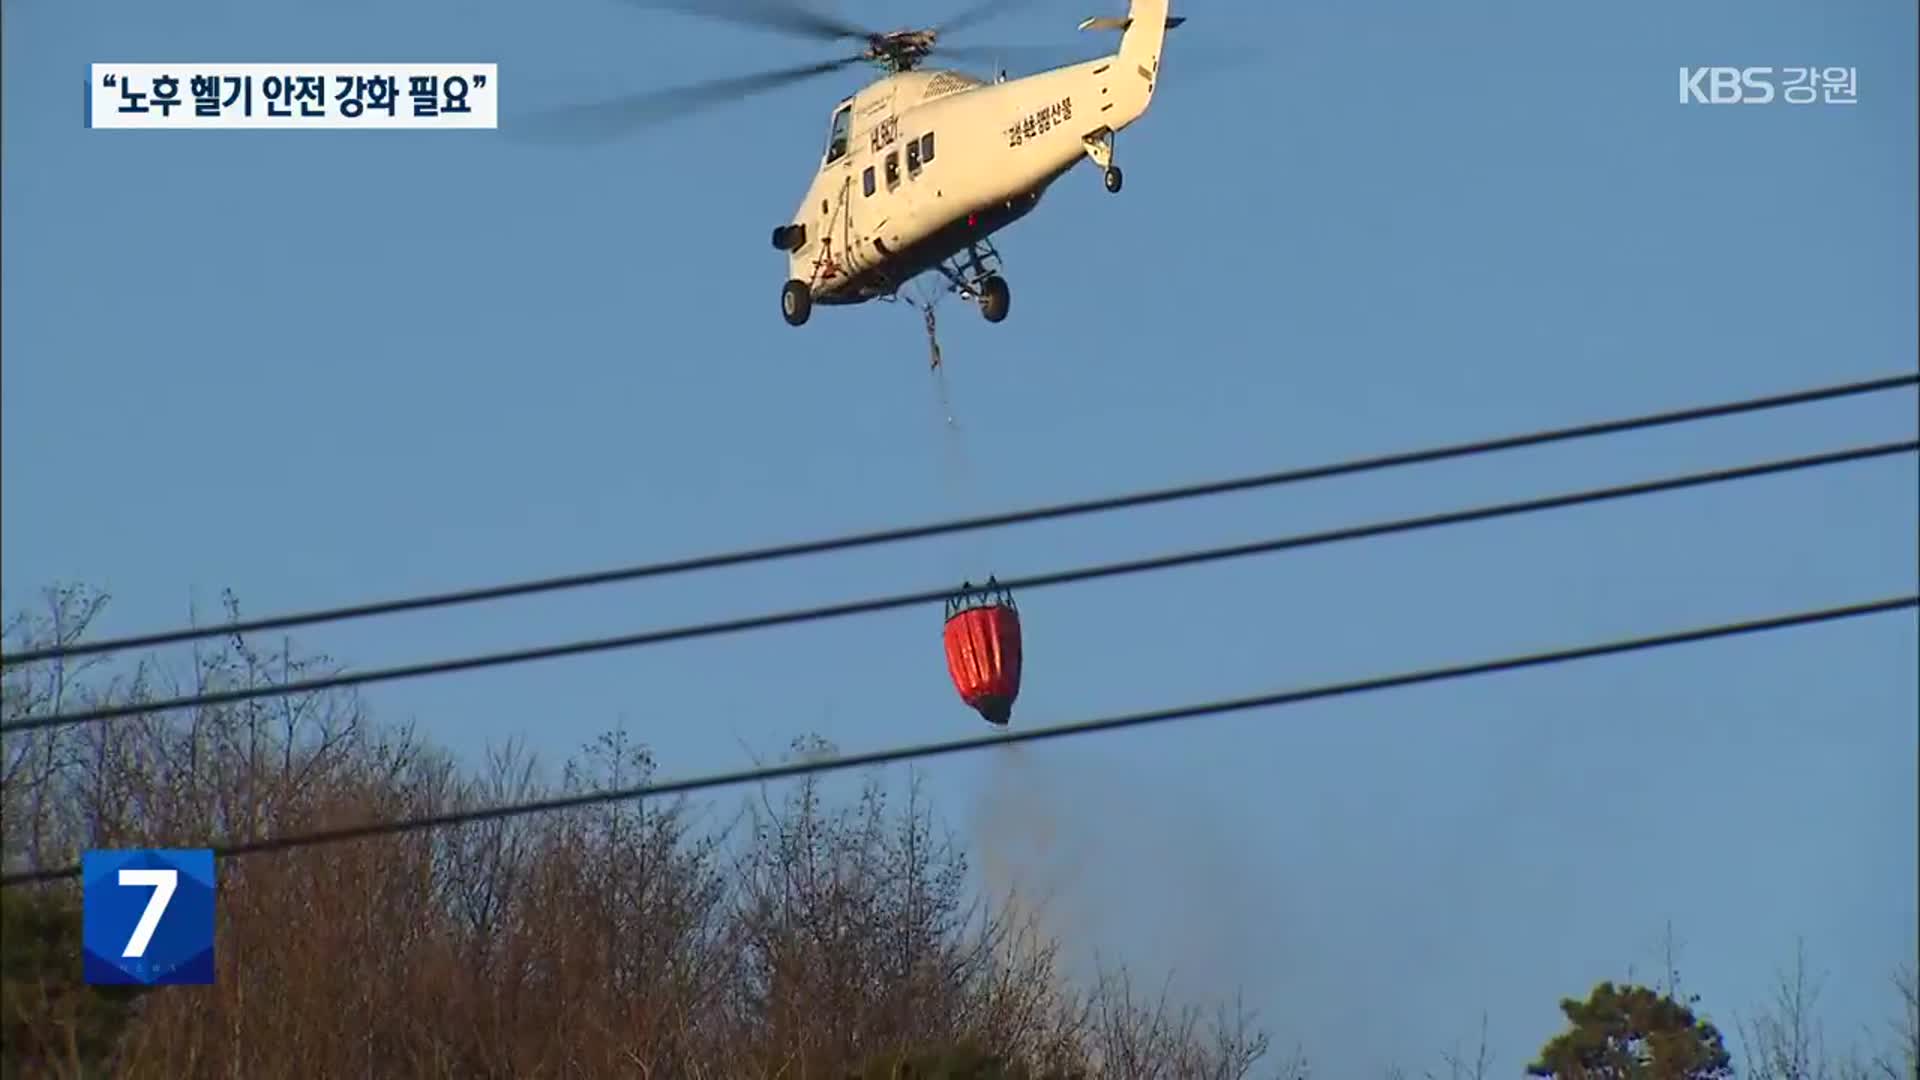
[923, 166]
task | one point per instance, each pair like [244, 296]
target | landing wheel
[994, 298]
[796, 302]
[1113, 179]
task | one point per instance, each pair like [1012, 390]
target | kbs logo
[1757, 85]
[147, 917]
[1726, 86]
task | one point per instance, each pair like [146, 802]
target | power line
[915, 532]
[762, 774]
[861, 607]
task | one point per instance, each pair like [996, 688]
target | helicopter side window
[837, 139]
[893, 169]
[913, 158]
[866, 180]
[926, 147]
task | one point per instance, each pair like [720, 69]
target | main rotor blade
[1190, 62]
[788, 16]
[618, 116]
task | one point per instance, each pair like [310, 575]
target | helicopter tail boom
[1139, 58]
[1146, 30]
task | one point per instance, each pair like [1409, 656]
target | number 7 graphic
[163, 882]
[148, 916]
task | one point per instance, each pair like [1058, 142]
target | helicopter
[923, 166]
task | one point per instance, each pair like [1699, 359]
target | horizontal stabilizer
[1107, 22]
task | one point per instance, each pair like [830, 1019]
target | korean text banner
[323, 96]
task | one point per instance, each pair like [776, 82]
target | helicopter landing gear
[796, 302]
[1099, 147]
[978, 279]
[994, 298]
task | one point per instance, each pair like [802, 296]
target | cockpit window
[837, 140]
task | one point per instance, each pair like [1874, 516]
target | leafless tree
[1460, 1067]
[1901, 1061]
[1786, 1040]
[627, 939]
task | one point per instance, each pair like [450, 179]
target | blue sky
[323, 367]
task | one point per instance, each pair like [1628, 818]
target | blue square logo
[147, 917]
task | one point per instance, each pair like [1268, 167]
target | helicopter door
[830, 222]
[839, 136]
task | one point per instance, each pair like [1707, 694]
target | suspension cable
[869, 606]
[967, 524]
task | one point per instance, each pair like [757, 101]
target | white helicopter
[922, 167]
